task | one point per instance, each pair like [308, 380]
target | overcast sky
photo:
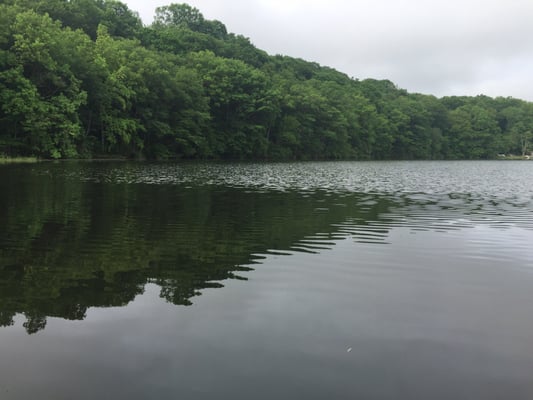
[440, 47]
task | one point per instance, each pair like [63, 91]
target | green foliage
[185, 16]
[474, 132]
[239, 102]
[87, 15]
[80, 78]
[41, 95]
[518, 122]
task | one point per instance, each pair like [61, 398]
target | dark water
[409, 280]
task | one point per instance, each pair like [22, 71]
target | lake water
[341, 280]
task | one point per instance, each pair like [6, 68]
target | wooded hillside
[85, 78]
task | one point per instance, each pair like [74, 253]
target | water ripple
[374, 196]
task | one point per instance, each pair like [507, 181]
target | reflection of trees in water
[68, 245]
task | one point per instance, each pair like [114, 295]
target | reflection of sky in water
[422, 317]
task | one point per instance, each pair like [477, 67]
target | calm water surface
[397, 280]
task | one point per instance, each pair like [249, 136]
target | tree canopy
[85, 78]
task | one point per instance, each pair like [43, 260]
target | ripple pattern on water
[441, 196]
[482, 178]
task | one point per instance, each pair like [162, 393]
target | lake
[341, 280]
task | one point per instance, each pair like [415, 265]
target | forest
[86, 79]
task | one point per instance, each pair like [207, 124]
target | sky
[439, 47]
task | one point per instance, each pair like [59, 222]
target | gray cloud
[452, 47]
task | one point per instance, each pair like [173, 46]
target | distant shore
[13, 160]
[512, 157]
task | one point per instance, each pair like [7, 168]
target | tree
[41, 95]
[240, 105]
[180, 15]
[474, 132]
[519, 127]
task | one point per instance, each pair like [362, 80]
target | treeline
[85, 78]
